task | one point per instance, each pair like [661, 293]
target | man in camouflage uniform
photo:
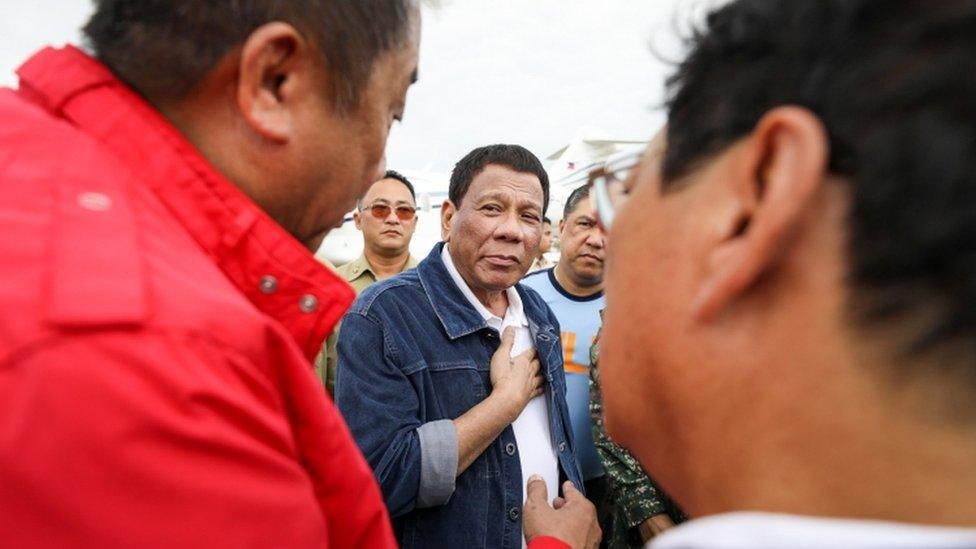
[640, 509]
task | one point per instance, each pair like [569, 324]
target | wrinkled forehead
[505, 184]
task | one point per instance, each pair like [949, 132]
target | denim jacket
[413, 356]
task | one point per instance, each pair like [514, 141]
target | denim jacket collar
[457, 316]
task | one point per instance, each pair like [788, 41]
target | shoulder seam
[378, 289]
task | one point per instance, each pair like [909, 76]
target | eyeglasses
[382, 211]
[606, 185]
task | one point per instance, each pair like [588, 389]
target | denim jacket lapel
[546, 342]
[457, 316]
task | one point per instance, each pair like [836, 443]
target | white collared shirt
[756, 530]
[537, 456]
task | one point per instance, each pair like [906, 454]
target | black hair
[163, 48]
[546, 220]
[575, 197]
[393, 174]
[893, 83]
[516, 157]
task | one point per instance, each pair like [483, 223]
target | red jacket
[155, 334]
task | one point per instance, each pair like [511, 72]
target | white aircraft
[568, 169]
[571, 164]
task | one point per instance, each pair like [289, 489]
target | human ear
[772, 178]
[276, 69]
[447, 218]
[357, 219]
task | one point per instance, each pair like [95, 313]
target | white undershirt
[754, 530]
[535, 449]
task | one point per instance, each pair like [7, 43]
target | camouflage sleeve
[633, 492]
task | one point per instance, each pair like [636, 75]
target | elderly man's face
[494, 235]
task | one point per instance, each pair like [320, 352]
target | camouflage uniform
[634, 495]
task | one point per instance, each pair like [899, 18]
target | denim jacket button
[562, 447]
[513, 513]
[510, 449]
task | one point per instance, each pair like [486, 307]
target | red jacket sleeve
[114, 439]
[546, 542]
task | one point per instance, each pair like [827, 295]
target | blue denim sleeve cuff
[438, 462]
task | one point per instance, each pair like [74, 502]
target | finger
[570, 493]
[528, 355]
[508, 339]
[596, 534]
[558, 503]
[538, 385]
[536, 491]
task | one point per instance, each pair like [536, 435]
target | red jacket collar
[268, 265]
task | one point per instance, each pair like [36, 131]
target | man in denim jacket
[451, 375]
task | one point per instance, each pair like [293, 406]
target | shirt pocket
[457, 385]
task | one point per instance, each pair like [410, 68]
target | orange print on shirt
[569, 349]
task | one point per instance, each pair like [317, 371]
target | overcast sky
[518, 71]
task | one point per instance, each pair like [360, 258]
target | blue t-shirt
[579, 322]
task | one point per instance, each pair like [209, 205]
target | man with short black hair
[452, 373]
[387, 217]
[790, 332]
[158, 304]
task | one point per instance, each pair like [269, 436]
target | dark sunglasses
[382, 211]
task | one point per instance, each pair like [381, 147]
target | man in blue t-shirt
[573, 289]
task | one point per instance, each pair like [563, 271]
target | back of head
[515, 157]
[892, 82]
[164, 48]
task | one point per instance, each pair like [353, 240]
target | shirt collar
[361, 265]
[514, 315]
[272, 269]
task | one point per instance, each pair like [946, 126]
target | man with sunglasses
[387, 217]
[791, 303]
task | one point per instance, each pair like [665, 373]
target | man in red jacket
[157, 305]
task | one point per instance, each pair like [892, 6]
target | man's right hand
[571, 519]
[516, 379]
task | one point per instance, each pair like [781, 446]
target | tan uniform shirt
[359, 275]
[541, 263]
